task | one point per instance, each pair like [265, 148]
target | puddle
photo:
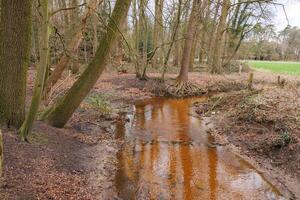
[169, 155]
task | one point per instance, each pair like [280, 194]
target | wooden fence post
[250, 81]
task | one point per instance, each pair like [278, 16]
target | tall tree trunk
[136, 56]
[158, 33]
[190, 34]
[203, 38]
[193, 52]
[199, 27]
[41, 73]
[173, 37]
[95, 34]
[71, 49]
[143, 24]
[15, 41]
[63, 110]
[216, 65]
[74, 16]
[213, 32]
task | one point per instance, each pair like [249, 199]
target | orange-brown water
[169, 155]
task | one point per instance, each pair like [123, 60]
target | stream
[168, 154]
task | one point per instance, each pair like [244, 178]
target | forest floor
[80, 160]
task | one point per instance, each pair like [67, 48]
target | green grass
[277, 66]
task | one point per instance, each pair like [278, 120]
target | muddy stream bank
[169, 154]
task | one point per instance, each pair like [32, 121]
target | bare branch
[64, 9]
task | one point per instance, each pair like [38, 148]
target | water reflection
[167, 156]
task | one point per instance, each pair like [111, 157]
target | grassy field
[277, 66]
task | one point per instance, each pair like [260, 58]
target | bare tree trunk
[74, 18]
[158, 33]
[136, 39]
[176, 54]
[41, 72]
[190, 34]
[193, 52]
[143, 24]
[199, 29]
[63, 110]
[213, 32]
[216, 65]
[203, 39]
[95, 34]
[15, 41]
[173, 37]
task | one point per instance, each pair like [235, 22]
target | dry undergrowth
[265, 121]
[173, 88]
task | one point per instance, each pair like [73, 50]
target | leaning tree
[60, 113]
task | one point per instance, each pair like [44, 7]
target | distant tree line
[264, 43]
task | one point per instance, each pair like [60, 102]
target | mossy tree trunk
[41, 72]
[15, 42]
[63, 110]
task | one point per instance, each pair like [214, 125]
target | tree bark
[216, 65]
[143, 25]
[158, 33]
[95, 34]
[173, 37]
[63, 110]
[71, 49]
[190, 34]
[203, 38]
[15, 41]
[1, 154]
[41, 73]
[137, 66]
[213, 32]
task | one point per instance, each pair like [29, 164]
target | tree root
[184, 89]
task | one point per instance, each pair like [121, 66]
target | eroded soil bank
[80, 161]
[262, 124]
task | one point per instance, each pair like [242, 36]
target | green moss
[37, 138]
[100, 102]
